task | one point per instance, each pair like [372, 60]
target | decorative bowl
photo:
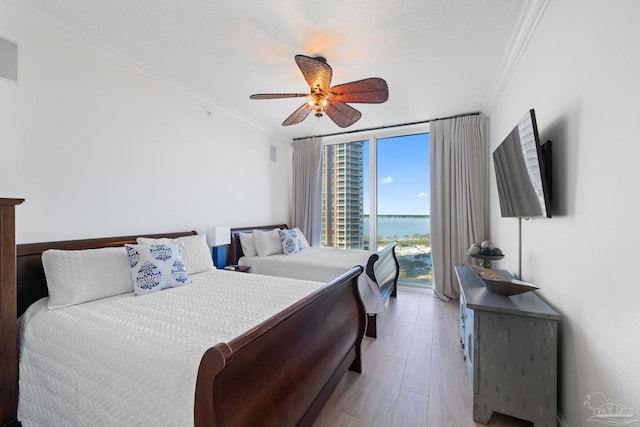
[502, 285]
[486, 258]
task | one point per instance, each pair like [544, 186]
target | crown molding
[25, 15]
[530, 15]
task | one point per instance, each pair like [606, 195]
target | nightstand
[238, 268]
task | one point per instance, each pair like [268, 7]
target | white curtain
[458, 196]
[307, 190]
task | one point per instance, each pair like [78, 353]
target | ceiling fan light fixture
[331, 100]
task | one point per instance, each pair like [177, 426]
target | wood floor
[413, 373]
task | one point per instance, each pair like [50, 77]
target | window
[376, 190]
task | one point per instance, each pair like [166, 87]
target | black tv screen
[522, 169]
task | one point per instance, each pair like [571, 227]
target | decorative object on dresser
[501, 284]
[8, 351]
[485, 252]
[510, 350]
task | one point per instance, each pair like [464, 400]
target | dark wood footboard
[383, 268]
[282, 372]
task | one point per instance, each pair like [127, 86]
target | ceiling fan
[330, 100]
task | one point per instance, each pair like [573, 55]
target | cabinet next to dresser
[8, 351]
[510, 351]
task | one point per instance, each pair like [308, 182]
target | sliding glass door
[403, 203]
[376, 190]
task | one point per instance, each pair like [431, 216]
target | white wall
[581, 73]
[98, 148]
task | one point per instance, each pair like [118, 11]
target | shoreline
[412, 250]
[400, 216]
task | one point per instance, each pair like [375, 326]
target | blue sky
[403, 175]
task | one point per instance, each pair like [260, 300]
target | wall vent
[8, 60]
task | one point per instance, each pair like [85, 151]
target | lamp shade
[218, 236]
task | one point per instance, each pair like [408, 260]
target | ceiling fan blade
[277, 95]
[372, 91]
[316, 72]
[299, 115]
[342, 114]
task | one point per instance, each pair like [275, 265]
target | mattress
[128, 360]
[323, 265]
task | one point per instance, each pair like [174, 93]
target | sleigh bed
[377, 282]
[279, 372]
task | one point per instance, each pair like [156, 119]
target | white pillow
[156, 267]
[78, 276]
[246, 242]
[196, 253]
[291, 243]
[267, 242]
[305, 243]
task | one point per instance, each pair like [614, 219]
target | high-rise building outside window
[342, 196]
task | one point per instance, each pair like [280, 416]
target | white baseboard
[413, 288]
[561, 421]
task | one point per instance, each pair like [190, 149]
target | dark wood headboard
[32, 284]
[235, 249]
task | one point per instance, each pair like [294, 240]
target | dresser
[510, 351]
[8, 353]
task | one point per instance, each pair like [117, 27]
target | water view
[414, 243]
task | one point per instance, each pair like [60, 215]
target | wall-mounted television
[523, 171]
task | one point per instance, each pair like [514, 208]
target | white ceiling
[439, 57]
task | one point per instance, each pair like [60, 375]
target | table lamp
[219, 238]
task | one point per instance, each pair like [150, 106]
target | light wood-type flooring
[413, 373]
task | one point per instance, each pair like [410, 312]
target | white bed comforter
[133, 361]
[322, 265]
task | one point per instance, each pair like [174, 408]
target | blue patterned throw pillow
[156, 267]
[291, 243]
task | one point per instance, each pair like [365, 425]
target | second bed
[376, 284]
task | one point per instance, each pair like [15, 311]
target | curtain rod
[387, 127]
